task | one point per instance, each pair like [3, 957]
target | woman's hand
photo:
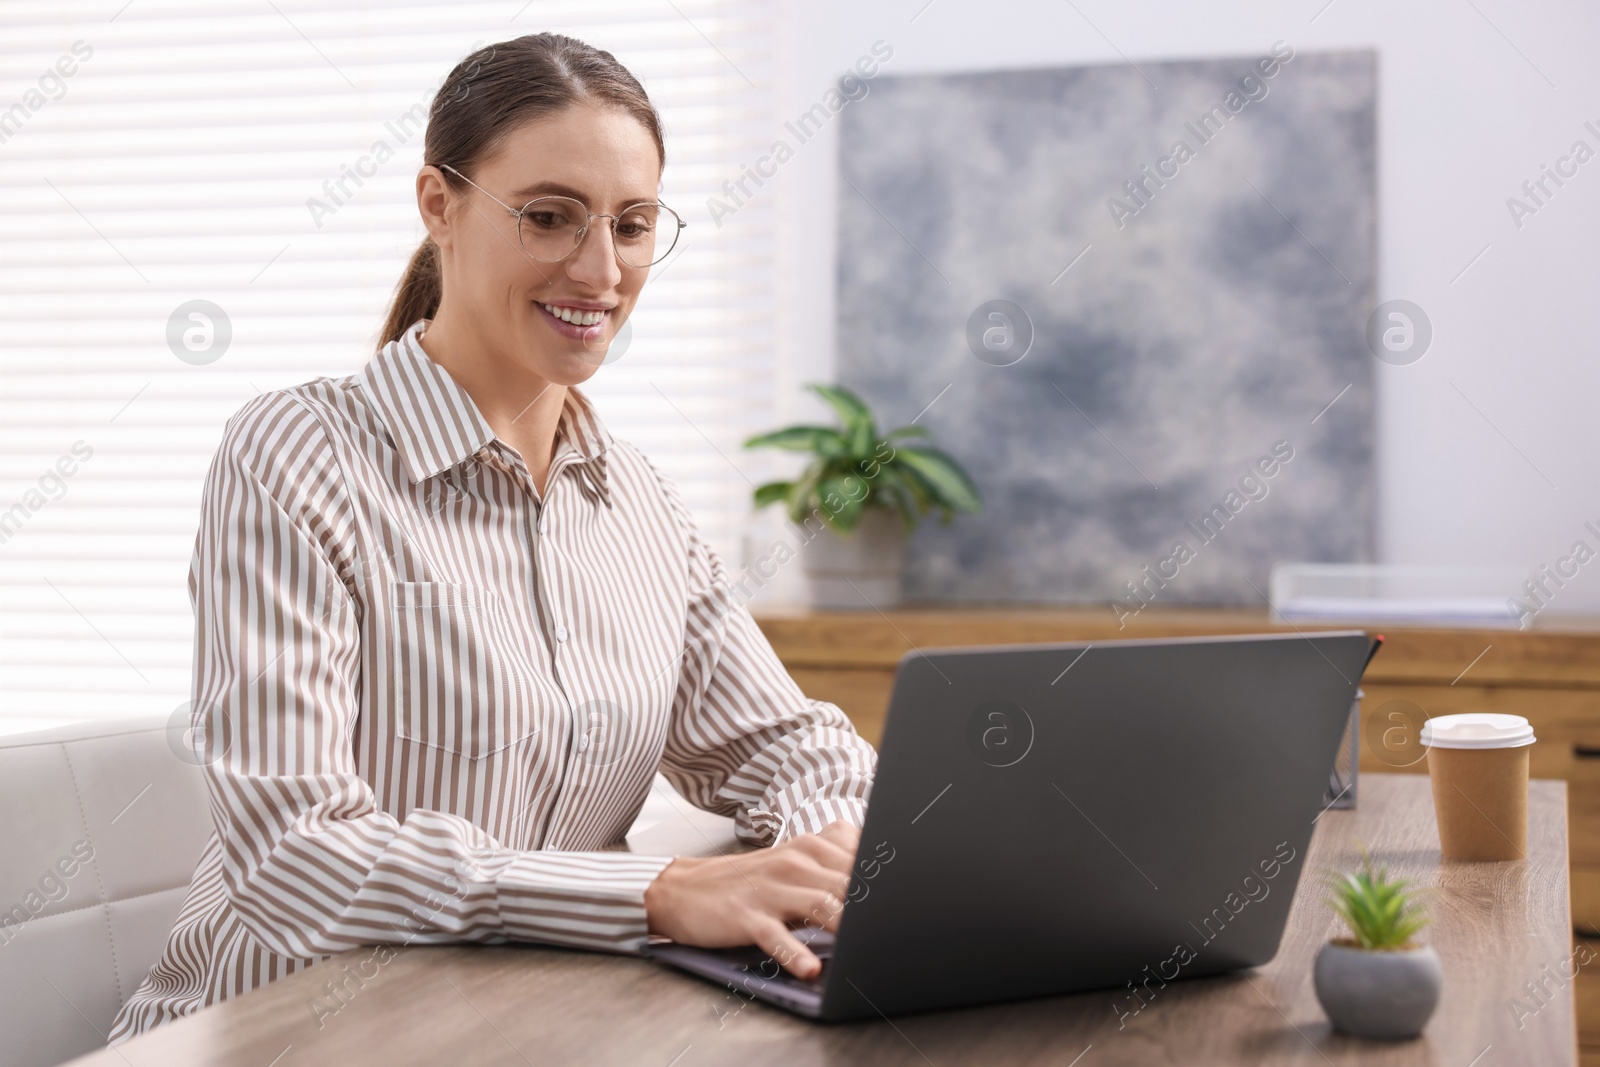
[751, 898]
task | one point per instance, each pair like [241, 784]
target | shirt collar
[436, 425]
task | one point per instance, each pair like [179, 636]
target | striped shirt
[433, 703]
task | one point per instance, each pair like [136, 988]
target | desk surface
[1496, 926]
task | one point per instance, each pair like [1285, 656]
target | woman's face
[601, 156]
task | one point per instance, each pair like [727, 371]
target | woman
[448, 628]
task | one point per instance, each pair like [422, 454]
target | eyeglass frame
[584, 229]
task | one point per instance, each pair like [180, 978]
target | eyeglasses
[550, 228]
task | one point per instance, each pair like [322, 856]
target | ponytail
[417, 295]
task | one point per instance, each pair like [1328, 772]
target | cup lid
[1477, 730]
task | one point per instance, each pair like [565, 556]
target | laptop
[1049, 819]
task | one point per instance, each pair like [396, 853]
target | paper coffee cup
[1478, 764]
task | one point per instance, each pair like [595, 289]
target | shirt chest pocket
[463, 680]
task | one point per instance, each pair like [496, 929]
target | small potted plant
[859, 498]
[1378, 982]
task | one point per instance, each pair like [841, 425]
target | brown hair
[490, 93]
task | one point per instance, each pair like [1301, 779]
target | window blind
[158, 153]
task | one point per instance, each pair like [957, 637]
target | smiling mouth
[576, 316]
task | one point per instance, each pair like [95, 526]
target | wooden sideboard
[1549, 674]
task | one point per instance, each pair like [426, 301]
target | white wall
[1463, 121]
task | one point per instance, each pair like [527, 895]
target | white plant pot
[858, 571]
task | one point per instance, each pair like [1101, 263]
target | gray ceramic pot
[1382, 994]
[860, 570]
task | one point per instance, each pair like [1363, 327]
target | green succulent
[1381, 912]
[853, 468]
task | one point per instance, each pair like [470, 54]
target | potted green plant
[859, 498]
[1379, 982]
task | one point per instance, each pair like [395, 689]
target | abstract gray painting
[1133, 302]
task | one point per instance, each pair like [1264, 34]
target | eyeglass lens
[550, 228]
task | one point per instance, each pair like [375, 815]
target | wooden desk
[1496, 926]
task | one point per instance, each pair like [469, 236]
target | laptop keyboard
[763, 966]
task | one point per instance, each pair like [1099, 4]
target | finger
[846, 835]
[834, 906]
[789, 951]
[794, 869]
[825, 851]
[842, 831]
[814, 907]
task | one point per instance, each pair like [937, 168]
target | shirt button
[561, 632]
